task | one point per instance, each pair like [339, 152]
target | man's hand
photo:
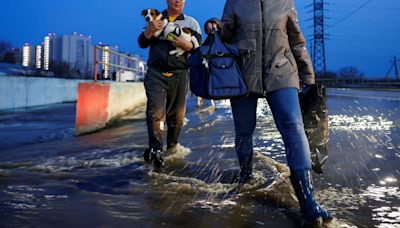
[211, 27]
[152, 28]
[182, 43]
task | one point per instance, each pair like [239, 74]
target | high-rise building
[38, 59]
[108, 59]
[73, 55]
[46, 53]
[27, 55]
[75, 51]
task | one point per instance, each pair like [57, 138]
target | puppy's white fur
[168, 28]
[173, 28]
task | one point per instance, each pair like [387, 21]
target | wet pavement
[48, 177]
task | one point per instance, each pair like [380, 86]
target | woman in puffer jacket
[273, 60]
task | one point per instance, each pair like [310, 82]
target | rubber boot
[313, 214]
[245, 174]
[172, 136]
[154, 157]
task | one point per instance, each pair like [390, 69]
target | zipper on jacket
[263, 47]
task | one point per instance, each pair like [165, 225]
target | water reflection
[387, 216]
[356, 123]
[388, 180]
[381, 193]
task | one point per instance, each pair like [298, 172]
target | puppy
[185, 33]
[153, 14]
[168, 29]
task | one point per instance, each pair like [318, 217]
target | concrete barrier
[100, 103]
[21, 91]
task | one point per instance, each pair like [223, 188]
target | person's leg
[176, 106]
[155, 87]
[285, 108]
[244, 116]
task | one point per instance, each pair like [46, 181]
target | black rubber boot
[312, 212]
[154, 157]
[172, 136]
[245, 174]
[158, 161]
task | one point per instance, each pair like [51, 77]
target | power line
[355, 59]
[344, 39]
[385, 22]
[361, 55]
[351, 13]
[372, 8]
[380, 36]
[366, 28]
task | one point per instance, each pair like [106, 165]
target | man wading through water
[166, 81]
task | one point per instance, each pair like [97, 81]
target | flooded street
[362, 178]
[50, 178]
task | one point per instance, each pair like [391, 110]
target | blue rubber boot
[304, 189]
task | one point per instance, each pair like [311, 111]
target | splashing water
[103, 176]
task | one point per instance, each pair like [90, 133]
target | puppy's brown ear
[187, 31]
[144, 12]
[157, 12]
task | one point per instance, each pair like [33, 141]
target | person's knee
[289, 116]
[291, 128]
[155, 114]
[177, 118]
[244, 135]
[244, 129]
[177, 123]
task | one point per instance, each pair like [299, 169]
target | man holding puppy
[166, 81]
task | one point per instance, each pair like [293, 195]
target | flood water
[48, 177]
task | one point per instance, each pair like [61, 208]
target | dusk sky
[368, 39]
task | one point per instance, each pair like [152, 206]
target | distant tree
[5, 47]
[327, 75]
[9, 57]
[350, 72]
